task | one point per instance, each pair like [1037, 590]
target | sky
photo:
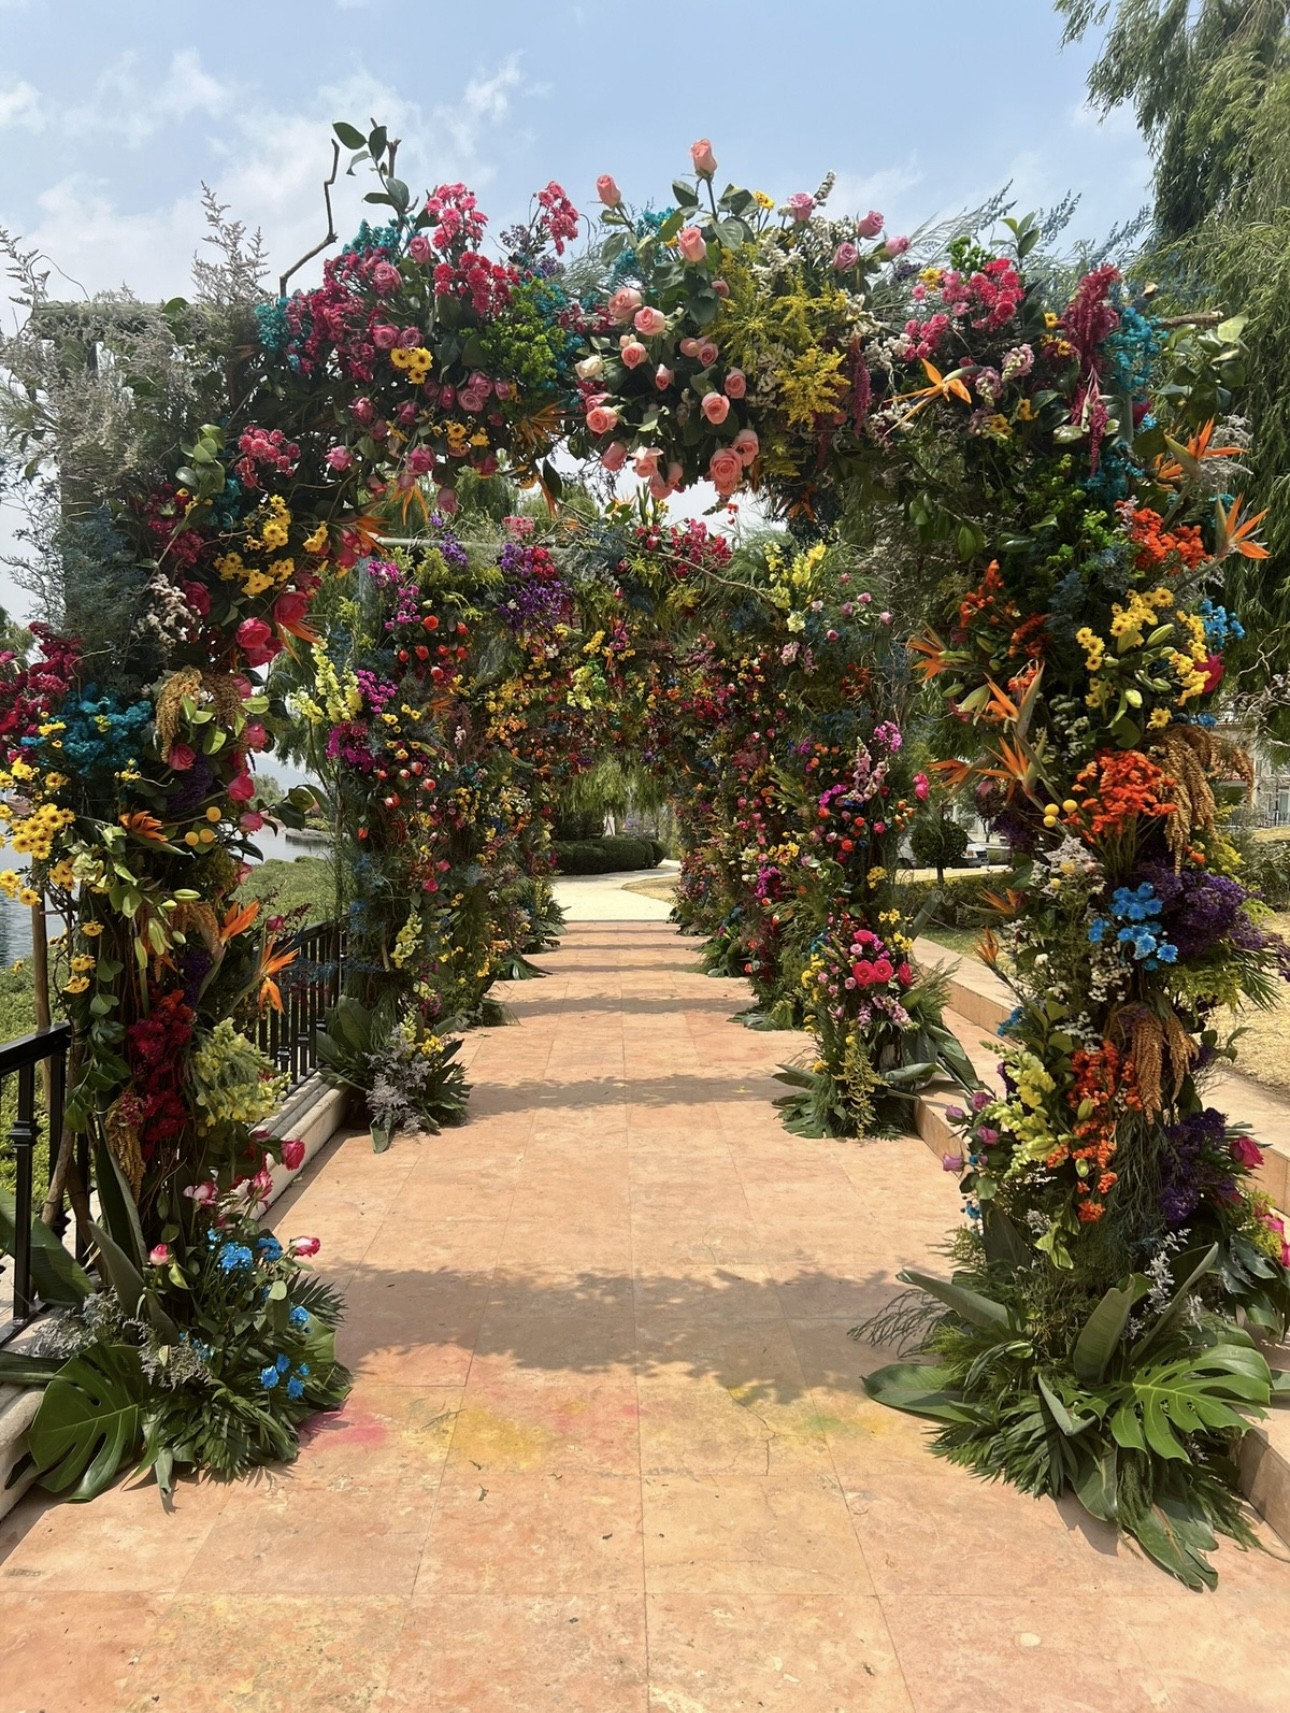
[113, 116]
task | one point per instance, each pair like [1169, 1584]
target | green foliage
[301, 890]
[90, 1421]
[607, 855]
[938, 842]
[1132, 1403]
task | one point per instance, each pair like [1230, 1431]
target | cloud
[20, 104]
[126, 102]
[267, 165]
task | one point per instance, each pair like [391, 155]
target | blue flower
[234, 1257]
[299, 1316]
[1167, 952]
[269, 1247]
[303, 1370]
[269, 1378]
[1096, 931]
[283, 1363]
[295, 1388]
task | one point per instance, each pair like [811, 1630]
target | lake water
[15, 918]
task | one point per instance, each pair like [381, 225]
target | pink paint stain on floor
[608, 1450]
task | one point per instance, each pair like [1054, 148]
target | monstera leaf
[90, 1421]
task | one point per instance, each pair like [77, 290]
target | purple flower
[952, 1163]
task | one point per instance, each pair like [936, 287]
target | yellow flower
[29, 895]
[763, 201]
[318, 541]
[91, 930]
[1050, 320]
[77, 984]
[81, 963]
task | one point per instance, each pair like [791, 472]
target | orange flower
[238, 919]
[144, 826]
[1234, 536]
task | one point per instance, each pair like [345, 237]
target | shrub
[576, 826]
[960, 897]
[605, 856]
[938, 843]
[1267, 872]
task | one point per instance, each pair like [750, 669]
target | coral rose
[633, 353]
[608, 191]
[736, 384]
[746, 445]
[601, 419]
[716, 407]
[624, 303]
[705, 162]
[614, 456]
[649, 321]
[725, 470]
[691, 244]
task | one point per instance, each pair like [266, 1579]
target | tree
[938, 843]
[1209, 81]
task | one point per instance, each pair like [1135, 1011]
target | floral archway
[1033, 460]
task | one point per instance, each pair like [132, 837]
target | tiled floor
[607, 1451]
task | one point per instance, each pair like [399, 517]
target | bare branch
[331, 223]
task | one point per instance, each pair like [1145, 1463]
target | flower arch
[1035, 460]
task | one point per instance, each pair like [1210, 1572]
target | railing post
[22, 1134]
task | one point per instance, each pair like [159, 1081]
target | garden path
[607, 1449]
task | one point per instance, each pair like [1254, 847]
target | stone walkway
[607, 1451]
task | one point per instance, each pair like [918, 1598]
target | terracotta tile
[535, 1533]
[471, 1653]
[701, 1427]
[383, 1435]
[722, 1534]
[125, 1538]
[583, 1424]
[772, 1654]
[1063, 1657]
[70, 1651]
[301, 1540]
[256, 1651]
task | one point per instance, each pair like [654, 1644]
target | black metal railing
[310, 987]
[37, 1108]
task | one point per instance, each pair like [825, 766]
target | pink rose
[241, 788]
[646, 462]
[663, 377]
[725, 470]
[203, 1194]
[419, 249]
[608, 191]
[601, 419]
[293, 1153]
[257, 642]
[716, 407]
[159, 1255]
[674, 474]
[708, 353]
[746, 445]
[633, 353]
[691, 245]
[897, 246]
[705, 162]
[869, 225]
[181, 757]
[736, 384]
[721, 288]
[385, 337]
[614, 456]
[922, 785]
[305, 1245]
[649, 321]
[624, 303]
[904, 975]
[198, 597]
[446, 501]
[882, 970]
[658, 487]
[801, 206]
[251, 822]
[386, 278]
[690, 347]
[845, 258]
[254, 735]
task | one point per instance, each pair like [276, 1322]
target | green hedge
[960, 904]
[606, 856]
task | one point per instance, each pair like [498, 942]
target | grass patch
[660, 887]
[305, 883]
[960, 941]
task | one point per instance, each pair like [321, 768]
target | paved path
[604, 897]
[607, 1451]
